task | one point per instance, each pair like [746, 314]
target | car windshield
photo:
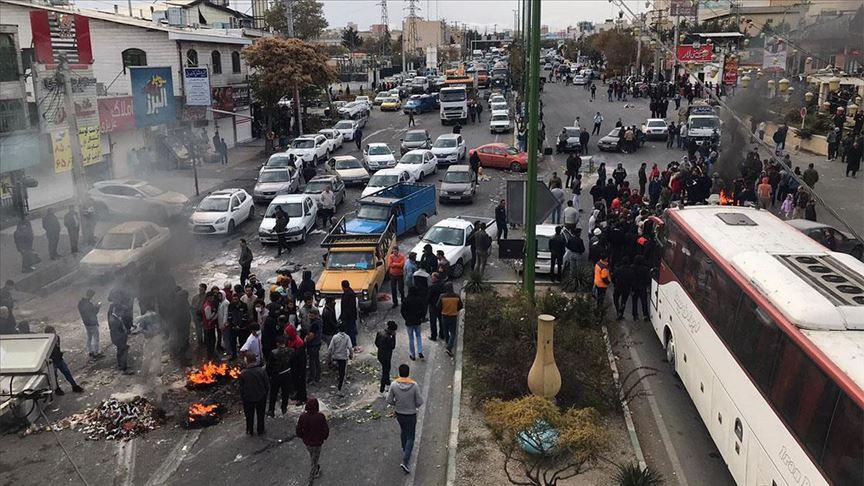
[351, 163]
[410, 158]
[391, 99]
[572, 132]
[614, 132]
[707, 122]
[371, 211]
[380, 150]
[457, 177]
[315, 187]
[383, 180]
[150, 190]
[543, 243]
[498, 106]
[511, 151]
[458, 95]
[327, 133]
[115, 241]
[657, 124]
[382, 94]
[445, 143]
[279, 160]
[345, 124]
[274, 176]
[214, 205]
[360, 260]
[500, 118]
[415, 136]
[292, 210]
[303, 143]
[439, 235]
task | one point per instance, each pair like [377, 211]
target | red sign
[730, 71]
[115, 114]
[57, 34]
[689, 53]
[223, 100]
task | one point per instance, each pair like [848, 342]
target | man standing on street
[52, 231]
[436, 288]
[119, 336]
[810, 176]
[349, 313]
[405, 396]
[557, 248]
[245, 261]
[23, 237]
[449, 305]
[254, 386]
[358, 138]
[223, 151]
[279, 229]
[90, 317]
[501, 219]
[60, 365]
[196, 306]
[482, 245]
[602, 279]
[396, 270]
[411, 118]
[312, 428]
[385, 342]
[474, 164]
[70, 221]
[598, 121]
[327, 204]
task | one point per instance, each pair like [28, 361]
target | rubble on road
[113, 419]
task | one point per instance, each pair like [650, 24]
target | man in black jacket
[501, 219]
[52, 231]
[60, 365]
[279, 229]
[557, 247]
[413, 310]
[474, 164]
[436, 288]
[574, 163]
[641, 283]
[350, 313]
[72, 227]
[623, 281]
[254, 386]
[279, 371]
[385, 341]
[90, 317]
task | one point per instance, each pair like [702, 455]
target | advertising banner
[690, 53]
[774, 57]
[684, 8]
[49, 92]
[57, 35]
[730, 71]
[91, 148]
[153, 96]
[116, 114]
[223, 99]
[197, 86]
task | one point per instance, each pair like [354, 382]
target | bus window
[843, 461]
[755, 342]
[718, 299]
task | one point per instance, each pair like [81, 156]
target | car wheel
[303, 236]
[421, 224]
[515, 167]
[251, 211]
[458, 269]
[435, 170]
[230, 226]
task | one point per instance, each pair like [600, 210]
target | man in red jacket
[312, 428]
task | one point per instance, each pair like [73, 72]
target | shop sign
[116, 114]
[696, 53]
[153, 96]
[197, 86]
[58, 35]
[50, 96]
[91, 148]
[730, 71]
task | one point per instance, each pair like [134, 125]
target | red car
[501, 156]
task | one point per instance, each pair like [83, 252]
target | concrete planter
[817, 144]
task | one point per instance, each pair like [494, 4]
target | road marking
[430, 361]
[175, 457]
[658, 418]
[125, 473]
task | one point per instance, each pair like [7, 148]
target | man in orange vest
[395, 267]
[602, 279]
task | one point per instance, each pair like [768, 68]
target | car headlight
[221, 220]
[468, 192]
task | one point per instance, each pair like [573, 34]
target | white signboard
[196, 83]
[50, 98]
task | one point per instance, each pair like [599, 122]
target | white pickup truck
[451, 236]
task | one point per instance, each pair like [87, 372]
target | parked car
[318, 183]
[451, 236]
[415, 139]
[458, 184]
[302, 212]
[497, 98]
[281, 160]
[580, 80]
[350, 170]
[655, 128]
[334, 137]
[573, 144]
[365, 100]
[501, 156]
[378, 156]
[499, 122]
[128, 247]
[449, 149]
[221, 211]
[310, 148]
[830, 237]
[347, 128]
[275, 182]
[610, 142]
[418, 164]
[133, 197]
[391, 103]
[384, 178]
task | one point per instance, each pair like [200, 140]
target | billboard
[196, 82]
[774, 57]
[58, 34]
[50, 98]
[692, 53]
[153, 96]
[91, 148]
[116, 114]
[730, 71]
[684, 8]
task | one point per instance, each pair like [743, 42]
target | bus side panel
[760, 470]
[724, 425]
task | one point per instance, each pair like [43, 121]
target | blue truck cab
[421, 103]
[411, 204]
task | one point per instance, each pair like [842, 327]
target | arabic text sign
[153, 96]
[49, 92]
[116, 114]
[197, 86]
[774, 57]
[684, 8]
[91, 148]
[690, 53]
[730, 71]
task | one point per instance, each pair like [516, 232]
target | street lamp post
[533, 148]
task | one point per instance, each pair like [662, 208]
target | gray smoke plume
[736, 138]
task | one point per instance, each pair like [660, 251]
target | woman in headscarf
[298, 364]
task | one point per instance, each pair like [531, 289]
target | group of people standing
[79, 227]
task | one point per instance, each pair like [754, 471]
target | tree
[283, 66]
[309, 19]
[618, 49]
[579, 443]
[351, 39]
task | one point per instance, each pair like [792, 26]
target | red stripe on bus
[839, 376]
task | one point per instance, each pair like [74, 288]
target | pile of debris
[211, 373]
[114, 419]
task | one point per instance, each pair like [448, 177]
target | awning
[21, 150]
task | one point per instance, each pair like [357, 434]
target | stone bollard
[544, 379]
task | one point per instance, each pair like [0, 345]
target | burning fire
[201, 415]
[196, 409]
[726, 199]
[210, 373]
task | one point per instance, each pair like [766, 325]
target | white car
[281, 160]
[132, 197]
[544, 233]
[499, 122]
[380, 97]
[310, 148]
[451, 236]
[418, 164]
[275, 182]
[349, 169]
[449, 149]
[655, 128]
[498, 106]
[334, 137]
[497, 98]
[222, 211]
[302, 211]
[129, 247]
[347, 128]
[384, 178]
[580, 80]
[378, 156]
[365, 100]
[354, 109]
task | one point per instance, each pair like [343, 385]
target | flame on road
[210, 373]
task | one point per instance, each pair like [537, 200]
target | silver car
[275, 182]
[458, 184]
[132, 197]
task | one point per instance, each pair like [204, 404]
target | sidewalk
[210, 176]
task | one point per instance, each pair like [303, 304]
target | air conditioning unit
[176, 17]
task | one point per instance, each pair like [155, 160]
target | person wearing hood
[405, 396]
[254, 386]
[349, 313]
[385, 341]
[307, 285]
[340, 351]
[313, 430]
[298, 364]
[428, 260]
[413, 309]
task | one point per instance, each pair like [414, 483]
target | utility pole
[385, 21]
[289, 14]
[74, 138]
[533, 148]
[411, 32]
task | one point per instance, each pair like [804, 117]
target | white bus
[765, 327]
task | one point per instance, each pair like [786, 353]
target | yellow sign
[91, 148]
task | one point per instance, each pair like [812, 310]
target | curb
[628, 416]
[456, 408]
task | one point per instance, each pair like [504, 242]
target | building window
[8, 58]
[191, 58]
[216, 61]
[235, 62]
[134, 57]
[12, 116]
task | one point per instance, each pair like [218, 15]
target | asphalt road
[364, 445]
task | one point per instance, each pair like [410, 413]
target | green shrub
[632, 474]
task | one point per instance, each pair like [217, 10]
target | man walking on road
[245, 261]
[411, 119]
[70, 221]
[358, 138]
[482, 245]
[810, 176]
[254, 386]
[501, 219]
[449, 305]
[474, 164]
[598, 120]
[396, 270]
[90, 317]
[279, 229]
[52, 231]
[385, 342]
[405, 397]
[312, 428]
